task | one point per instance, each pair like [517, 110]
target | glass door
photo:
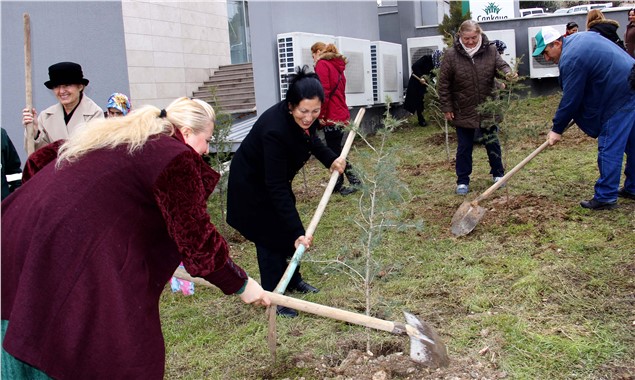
[239, 41]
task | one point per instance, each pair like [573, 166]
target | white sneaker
[496, 179]
[462, 189]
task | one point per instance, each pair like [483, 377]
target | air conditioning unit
[294, 49]
[538, 67]
[386, 71]
[420, 46]
[359, 89]
[508, 36]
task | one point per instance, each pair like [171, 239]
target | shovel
[425, 346]
[470, 213]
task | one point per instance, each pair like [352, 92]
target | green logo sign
[491, 10]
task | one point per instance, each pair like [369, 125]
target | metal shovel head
[425, 345]
[466, 218]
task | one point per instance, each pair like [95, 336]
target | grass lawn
[541, 289]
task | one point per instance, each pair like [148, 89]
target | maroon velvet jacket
[87, 250]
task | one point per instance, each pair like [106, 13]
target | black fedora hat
[65, 73]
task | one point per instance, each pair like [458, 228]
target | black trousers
[333, 136]
[272, 264]
[465, 137]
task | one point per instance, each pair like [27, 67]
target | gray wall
[87, 32]
[355, 19]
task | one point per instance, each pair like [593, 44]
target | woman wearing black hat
[67, 81]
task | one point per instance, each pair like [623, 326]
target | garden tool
[297, 255]
[470, 213]
[425, 345]
[30, 144]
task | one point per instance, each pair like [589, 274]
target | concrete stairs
[230, 88]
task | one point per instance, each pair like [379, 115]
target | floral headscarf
[119, 101]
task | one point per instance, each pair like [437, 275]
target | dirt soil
[359, 365]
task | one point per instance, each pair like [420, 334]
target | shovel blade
[466, 218]
[425, 345]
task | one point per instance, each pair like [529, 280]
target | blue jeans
[616, 138]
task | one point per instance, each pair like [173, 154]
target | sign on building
[489, 10]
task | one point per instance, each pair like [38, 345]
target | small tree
[220, 150]
[379, 204]
[450, 24]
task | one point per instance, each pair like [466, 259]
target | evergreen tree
[450, 24]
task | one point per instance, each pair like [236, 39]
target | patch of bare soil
[360, 365]
[522, 209]
[439, 138]
[426, 167]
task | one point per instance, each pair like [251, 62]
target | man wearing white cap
[597, 95]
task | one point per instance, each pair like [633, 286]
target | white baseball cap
[544, 37]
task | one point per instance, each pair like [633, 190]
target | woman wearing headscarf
[417, 87]
[90, 241]
[57, 122]
[596, 22]
[118, 105]
[260, 199]
[466, 80]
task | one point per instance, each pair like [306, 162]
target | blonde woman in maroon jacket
[329, 66]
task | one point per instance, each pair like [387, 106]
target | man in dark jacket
[596, 94]
[10, 165]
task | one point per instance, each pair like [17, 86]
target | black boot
[421, 119]
[286, 312]
[354, 182]
[338, 184]
[304, 287]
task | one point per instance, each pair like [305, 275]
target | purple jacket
[88, 249]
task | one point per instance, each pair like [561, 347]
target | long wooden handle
[516, 168]
[297, 255]
[334, 176]
[315, 308]
[28, 87]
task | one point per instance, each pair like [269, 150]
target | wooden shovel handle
[28, 87]
[516, 168]
[333, 180]
[315, 308]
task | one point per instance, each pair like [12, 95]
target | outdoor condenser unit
[420, 46]
[359, 88]
[294, 49]
[508, 36]
[538, 67]
[386, 71]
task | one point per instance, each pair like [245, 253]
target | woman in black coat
[260, 199]
[416, 90]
